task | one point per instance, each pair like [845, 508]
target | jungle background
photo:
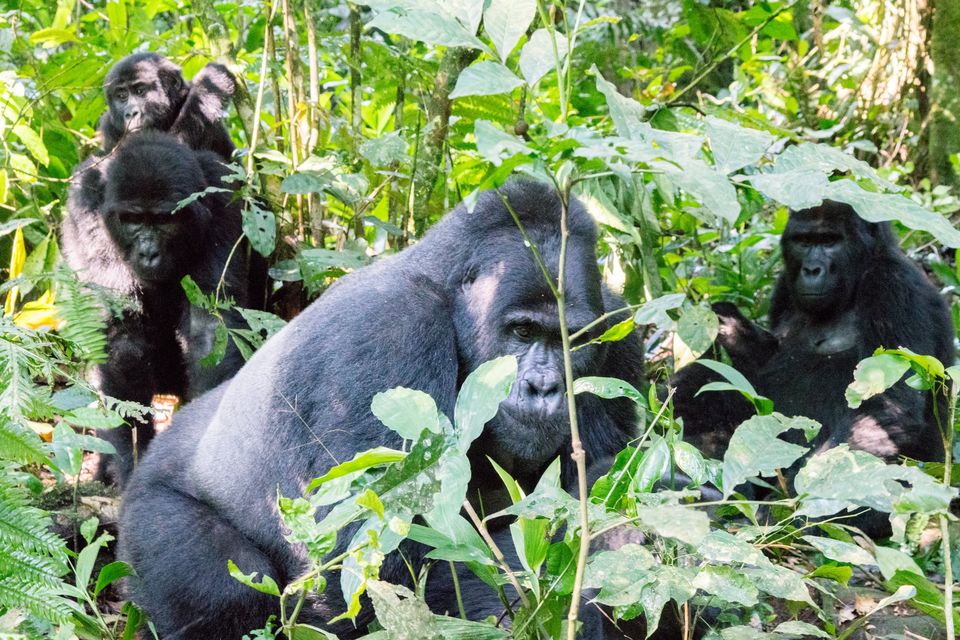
[688, 128]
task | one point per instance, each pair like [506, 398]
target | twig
[716, 62]
[501, 560]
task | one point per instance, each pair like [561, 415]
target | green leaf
[710, 187]
[728, 584]
[673, 521]
[388, 149]
[798, 189]
[537, 58]
[928, 597]
[260, 227]
[93, 417]
[620, 574]
[431, 27]
[480, 397]
[843, 478]
[841, 551]
[733, 146]
[31, 140]
[607, 388]
[628, 115]
[654, 464]
[219, 349]
[266, 585]
[406, 411]
[696, 331]
[194, 294]
[655, 311]
[485, 78]
[87, 558]
[873, 376]
[690, 461]
[893, 561]
[110, 574]
[617, 332]
[736, 379]
[755, 449]
[880, 207]
[495, 145]
[365, 460]
[401, 613]
[505, 22]
[50, 38]
[304, 183]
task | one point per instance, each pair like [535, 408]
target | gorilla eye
[122, 94]
[523, 331]
[138, 91]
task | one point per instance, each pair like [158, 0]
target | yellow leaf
[17, 258]
[40, 314]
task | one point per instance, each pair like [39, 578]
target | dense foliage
[687, 128]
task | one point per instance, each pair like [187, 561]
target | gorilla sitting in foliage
[846, 289]
[122, 233]
[147, 91]
[468, 292]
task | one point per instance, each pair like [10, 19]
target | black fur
[424, 319]
[119, 207]
[845, 290]
[147, 91]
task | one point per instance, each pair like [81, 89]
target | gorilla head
[504, 306]
[150, 174]
[143, 91]
[825, 249]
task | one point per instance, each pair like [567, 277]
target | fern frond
[40, 601]
[83, 313]
[19, 443]
[499, 109]
[23, 527]
[32, 557]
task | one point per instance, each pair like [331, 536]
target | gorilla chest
[812, 368]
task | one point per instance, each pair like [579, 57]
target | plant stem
[261, 87]
[948, 435]
[577, 453]
[501, 560]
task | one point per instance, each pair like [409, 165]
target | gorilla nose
[813, 272]
[132, 114]
[150, 259]
[544, 392]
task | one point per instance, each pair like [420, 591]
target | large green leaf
[431, 27]
[537, 56]
[755, 449]
[485, 78]
[505, 21]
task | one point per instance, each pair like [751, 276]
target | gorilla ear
[172, 80]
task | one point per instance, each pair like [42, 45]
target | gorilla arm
[199, 123]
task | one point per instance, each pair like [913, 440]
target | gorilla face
[506, 308]
[823, 250]
[149, 175]
[154, 243]
[144, 91]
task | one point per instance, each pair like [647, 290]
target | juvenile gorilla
[845, 290]
[424, 319]
[147, 91]
[121, 233]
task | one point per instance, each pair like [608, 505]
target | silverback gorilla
[121, 233]
[147, 91]
[424, 319]
[846, 289]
